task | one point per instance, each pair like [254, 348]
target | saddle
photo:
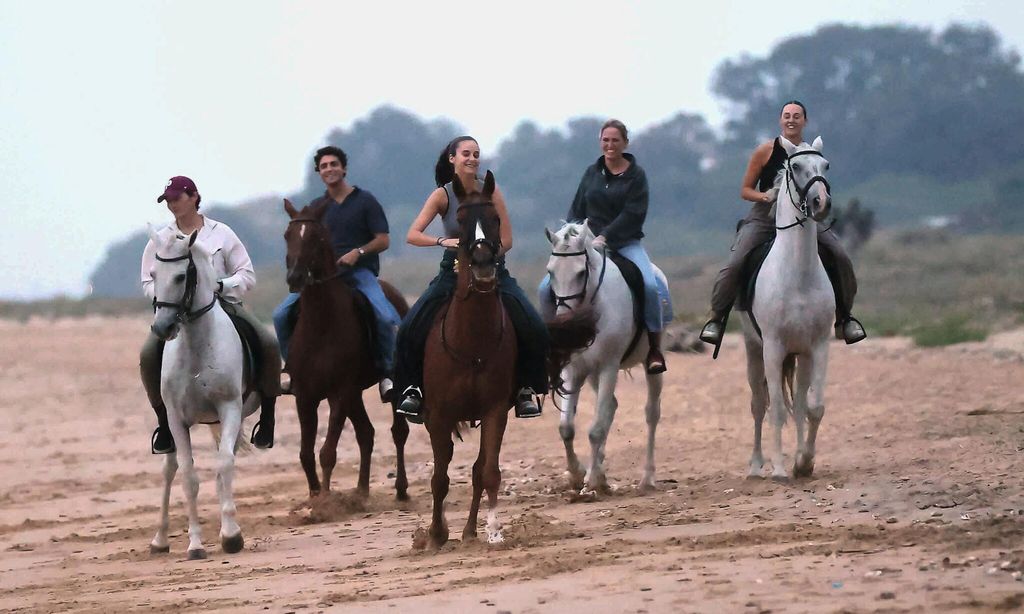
[748, 275]
[635, 281]
[252, 356]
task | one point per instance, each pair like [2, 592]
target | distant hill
[922, 127]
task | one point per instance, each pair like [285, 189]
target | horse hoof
[780, 478]
[647, 486]
[231, 545]
[803, 470]
[402, 496]
[159, 549]
[197, 554]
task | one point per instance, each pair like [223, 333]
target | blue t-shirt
[353, 223]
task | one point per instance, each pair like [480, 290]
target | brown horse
[330, 354]
[470, 360]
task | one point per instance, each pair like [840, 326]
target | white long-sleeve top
[231, 261]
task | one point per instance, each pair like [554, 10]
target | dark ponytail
[444, 170]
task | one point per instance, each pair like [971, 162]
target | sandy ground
[915, 504]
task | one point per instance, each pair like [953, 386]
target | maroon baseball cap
[175, 187]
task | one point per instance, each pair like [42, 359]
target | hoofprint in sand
[915, 501]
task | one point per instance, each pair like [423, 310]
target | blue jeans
[385, 318]
[657, 300]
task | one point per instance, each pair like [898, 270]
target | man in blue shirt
[359, 232]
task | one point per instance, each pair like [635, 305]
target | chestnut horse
[330, 355]
[470, 360]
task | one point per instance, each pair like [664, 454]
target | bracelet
[439, 240]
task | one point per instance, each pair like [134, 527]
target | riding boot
[263, 431]
[526, 403]
[411, 406]
[714, 329]
[655, 362]
[162, 441]
[849, 329]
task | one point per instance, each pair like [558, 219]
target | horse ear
[549, 235]
[153, 236]
[585, 227]
[460, 192]
[289, 208]
[817, 144]
[192, 237]
[489, 184]
[789, 147]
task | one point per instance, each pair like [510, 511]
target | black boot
[263, 431]
[411, 406]
[713, 330]
[526, 403]
[850, 330]
[162, 442]
[655, 362]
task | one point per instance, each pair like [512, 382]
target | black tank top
[766, 180]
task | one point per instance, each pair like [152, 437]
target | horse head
[569, 265]
[804, 179]
[309, 257]
[479, 233]
[183, 271]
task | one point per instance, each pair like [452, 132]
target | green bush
[947, 331]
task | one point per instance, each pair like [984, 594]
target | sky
[102, 101]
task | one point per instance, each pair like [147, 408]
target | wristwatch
[362, 252]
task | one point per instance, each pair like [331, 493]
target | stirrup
[260, 433]
[411, 407]
[657, 365]
[857, 334]
[526, 403]
[152, 444]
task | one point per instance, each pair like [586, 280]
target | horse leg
[364, 437]
[493, 432]
[567, 428]
[653, 413]
[478, 488]
[329, 449]
[306, 408]
[773, 358]
[443, 448]
[400, 434]
[815, 404]
[606, 406]
[160, 544]
[758, 401]
[800, 385]
[231, 426]
[190, 484]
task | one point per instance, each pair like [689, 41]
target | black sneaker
[162, 442]
[411, 406]
[526, 404]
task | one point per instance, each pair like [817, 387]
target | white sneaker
[386, 387]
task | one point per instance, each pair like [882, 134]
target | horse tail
[788, 371]
[568, 334]
[242, 445]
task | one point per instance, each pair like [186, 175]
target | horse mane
[315, 210]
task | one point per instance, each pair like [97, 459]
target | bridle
[312, 281]
[184, 308]
[492, 247]
[801, 204]
[561, 300]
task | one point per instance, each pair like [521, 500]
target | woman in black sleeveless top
[759, 226]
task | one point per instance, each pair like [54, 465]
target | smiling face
[612, 143]
[330, 169]
[466, 158]
[792, 122]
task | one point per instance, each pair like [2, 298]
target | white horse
[201, 381]
[794, 307]
[582, 278]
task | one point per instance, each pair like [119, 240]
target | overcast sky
[101, 101]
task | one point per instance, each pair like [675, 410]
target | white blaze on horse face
[302, 231]
[480, 232]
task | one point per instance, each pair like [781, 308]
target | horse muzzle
[165, 329]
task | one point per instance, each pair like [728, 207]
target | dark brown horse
[330, 354]
[470, 360]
